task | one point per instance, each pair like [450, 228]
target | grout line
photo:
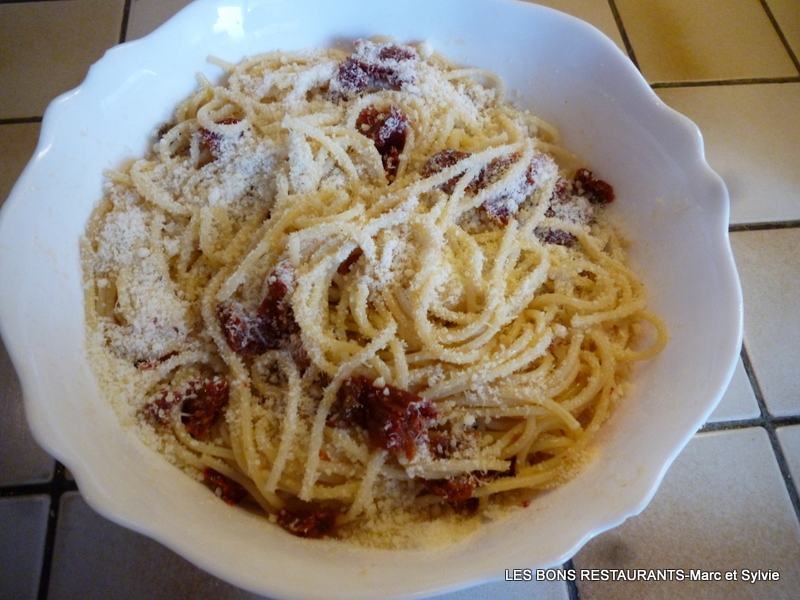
[782, 37]
[20, 120]
[60, 485]
[123, 29]
[623, 33]
[50, 538]
[731, 425]
[572, 586]
[724, 82]
[22, 1]
[763, 226]
[769, 425]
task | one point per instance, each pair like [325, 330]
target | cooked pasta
[365, 293]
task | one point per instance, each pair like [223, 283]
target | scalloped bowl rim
[591, 88]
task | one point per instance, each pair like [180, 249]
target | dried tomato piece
[275, 316]
[241, 331]
[229, 490]
[395, 419]
[352, 77]
[504, 205]
[395, 52]
[492, 172]
[596, 191]
[561, 194]
[441, 161]
[203, 401]
[373, 67]
[454, 489]
[459, 487]
[549, 235]
[387, 128]
[159, 410]
[314, 522]
[213, 139]
[269, 329]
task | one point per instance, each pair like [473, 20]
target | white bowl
[673, 206]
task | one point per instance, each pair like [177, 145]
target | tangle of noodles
[365, 293]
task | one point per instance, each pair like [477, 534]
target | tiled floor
[730, 501]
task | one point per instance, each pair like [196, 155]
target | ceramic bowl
[672, 205]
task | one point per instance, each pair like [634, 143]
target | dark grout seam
[782, 37]
[623, 33]
[60, 485]
[763, 226]
[572, 586]
[123, 30]
[770, 425]
[23, 1]
[20, 120]
[723, 82]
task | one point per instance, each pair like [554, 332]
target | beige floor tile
[723, 506]
[789, 438]
[594, 12]
[752, 137]
[787, 14]
[739, 401]
[17, 143]
[769, 267]
[46, 49]
[690, 40]
[147, 15]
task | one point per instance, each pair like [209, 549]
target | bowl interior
[674, 208]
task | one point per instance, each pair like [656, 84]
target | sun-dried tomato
[500, 208]
[388, 129]
[492, 172]
[352, 76]
[213, 140]
[241, 331]
[229, 490]
[395, 52]
[454, 489]
[314, 522]
[395, 419]
[201, 402]
[460, 487]
[596, 191]
[372, 67]
[549, 235]
[275, 316]
[561, 194]
[269, 329]
[159, 410]
[441, 161]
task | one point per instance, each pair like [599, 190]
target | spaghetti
[364, 292]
